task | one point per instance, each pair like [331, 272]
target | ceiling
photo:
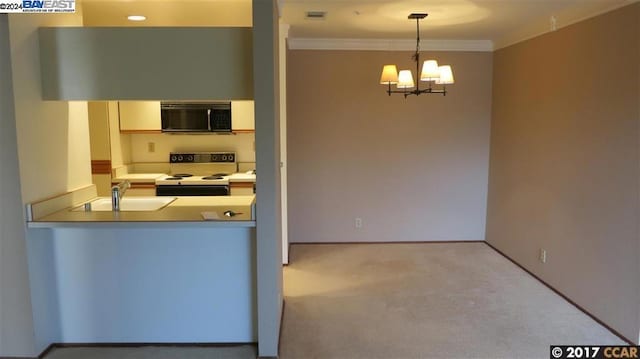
[501, 21]
[228, 13]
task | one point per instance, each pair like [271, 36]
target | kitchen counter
[152, 177]
[160, 276]
[183, 209]
[242, 177]
[151, 275]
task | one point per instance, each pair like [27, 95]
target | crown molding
[389, 44]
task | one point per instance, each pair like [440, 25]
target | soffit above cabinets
[218, 64]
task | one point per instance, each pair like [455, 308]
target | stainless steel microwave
[195, 116]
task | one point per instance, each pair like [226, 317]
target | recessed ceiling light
[136, 18]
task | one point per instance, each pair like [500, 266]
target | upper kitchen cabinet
[146, 63]
[139, 116]
[242, 116]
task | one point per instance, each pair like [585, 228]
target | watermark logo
[594, 352]
[9, 6]
[37, 6]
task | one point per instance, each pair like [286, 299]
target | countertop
[242, 177]
[151, 177]
[183, 209]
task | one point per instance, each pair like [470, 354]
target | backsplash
[242, 144]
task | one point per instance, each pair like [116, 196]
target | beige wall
[51, 142]
[242, 144]
[106, 141]
[564, 162]
[53, 136]
[99, 130]
[16, 320]
[268, 210]
[120, 143]
[413, 169]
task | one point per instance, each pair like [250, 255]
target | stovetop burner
[220, 174]
[214, 177]
[173, 178]
[181, 175]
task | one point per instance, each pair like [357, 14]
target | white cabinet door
[140, 116]
[242, 115]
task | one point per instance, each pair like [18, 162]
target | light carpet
[425, 300]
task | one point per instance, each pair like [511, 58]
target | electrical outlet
[358, 222]
[553, 22]
[543, 256]
[151, 146]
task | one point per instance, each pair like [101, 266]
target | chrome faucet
[117, 192]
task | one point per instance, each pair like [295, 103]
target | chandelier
[431, 72]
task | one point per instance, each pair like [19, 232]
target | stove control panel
[202, 157]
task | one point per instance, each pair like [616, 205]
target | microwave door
[185, 120]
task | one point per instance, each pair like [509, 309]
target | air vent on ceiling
[316, 15]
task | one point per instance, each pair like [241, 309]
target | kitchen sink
[130, 204]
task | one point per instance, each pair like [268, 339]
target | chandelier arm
[418, 92]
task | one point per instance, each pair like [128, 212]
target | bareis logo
[48, 5]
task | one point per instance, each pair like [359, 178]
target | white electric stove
[198, 174]
[191, 180]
